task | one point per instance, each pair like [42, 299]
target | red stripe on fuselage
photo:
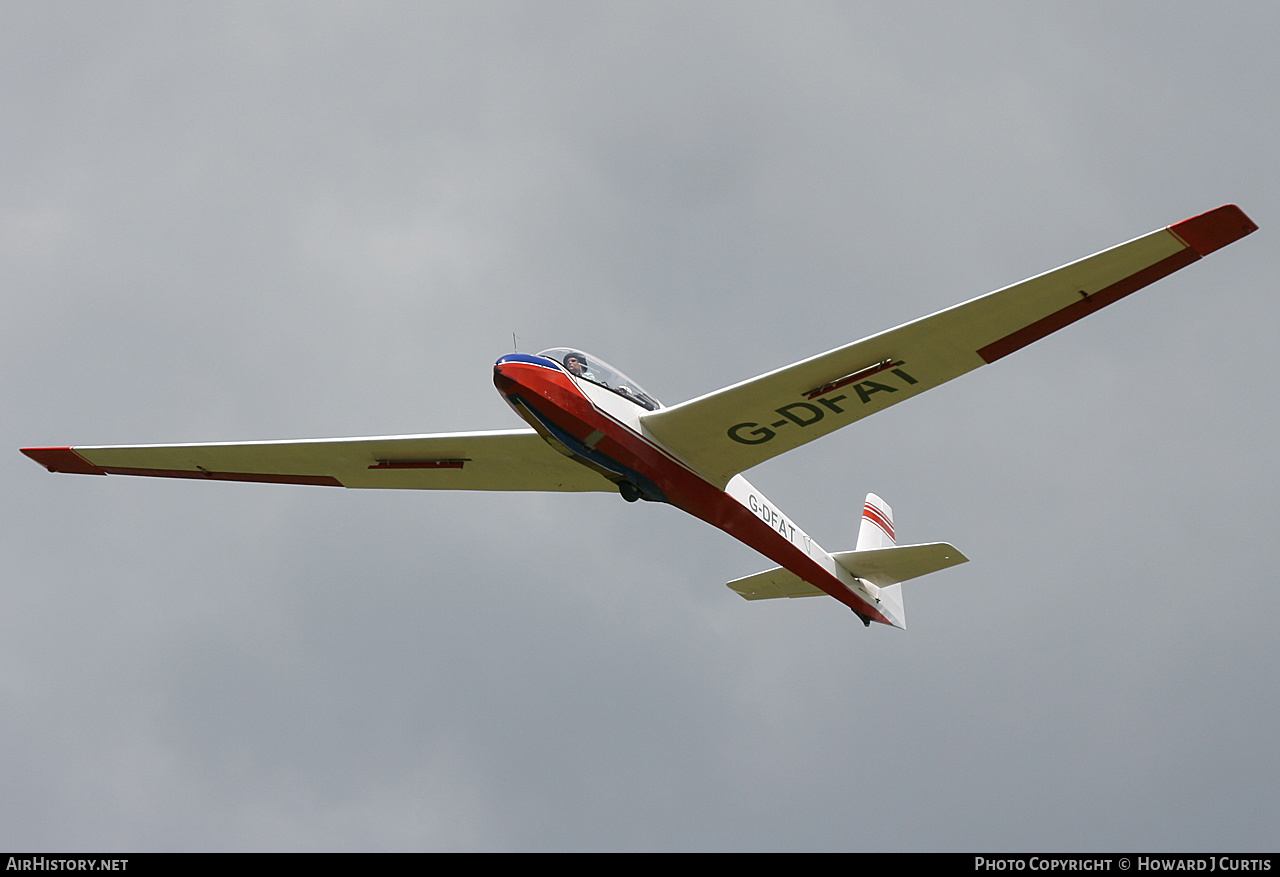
[557, 398]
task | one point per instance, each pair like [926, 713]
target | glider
[591, 428]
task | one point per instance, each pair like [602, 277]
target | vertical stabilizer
[879, 563]
[876, 532]
[877, 525]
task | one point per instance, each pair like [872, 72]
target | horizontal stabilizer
[881, 566]
[771, 583]
[887, 566]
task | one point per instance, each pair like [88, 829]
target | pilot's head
[576, 363]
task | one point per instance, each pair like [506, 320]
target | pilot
[576, 363]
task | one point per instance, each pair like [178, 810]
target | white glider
[594, 429]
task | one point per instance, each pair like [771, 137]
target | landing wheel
[629, 491]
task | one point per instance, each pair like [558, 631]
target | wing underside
[501, 460]
[731, 430]
[774, 583]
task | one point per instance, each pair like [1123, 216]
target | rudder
[876, 530]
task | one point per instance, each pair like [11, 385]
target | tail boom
[806, 568]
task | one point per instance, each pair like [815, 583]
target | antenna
[514, 347]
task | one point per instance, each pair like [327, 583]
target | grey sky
[255, 220]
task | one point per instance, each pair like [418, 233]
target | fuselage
[596, 417]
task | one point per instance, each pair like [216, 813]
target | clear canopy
[586, 367]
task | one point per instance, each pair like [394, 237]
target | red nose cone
[500, 380]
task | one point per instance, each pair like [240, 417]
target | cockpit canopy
[586, 367]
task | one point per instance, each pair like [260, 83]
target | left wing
[725, 432]
[500, 460]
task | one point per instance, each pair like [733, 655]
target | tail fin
[878, 563]
[877, 525]
[881, 563]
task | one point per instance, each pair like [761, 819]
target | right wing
[725, 432]
[499, 460]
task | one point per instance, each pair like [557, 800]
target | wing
[774, 583]
[730, 430]
[504, 460]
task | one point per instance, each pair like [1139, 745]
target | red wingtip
[1215, 229]
[62, 460]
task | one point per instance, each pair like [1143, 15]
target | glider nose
[501, 381]
[518, 369]
[501, 375]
